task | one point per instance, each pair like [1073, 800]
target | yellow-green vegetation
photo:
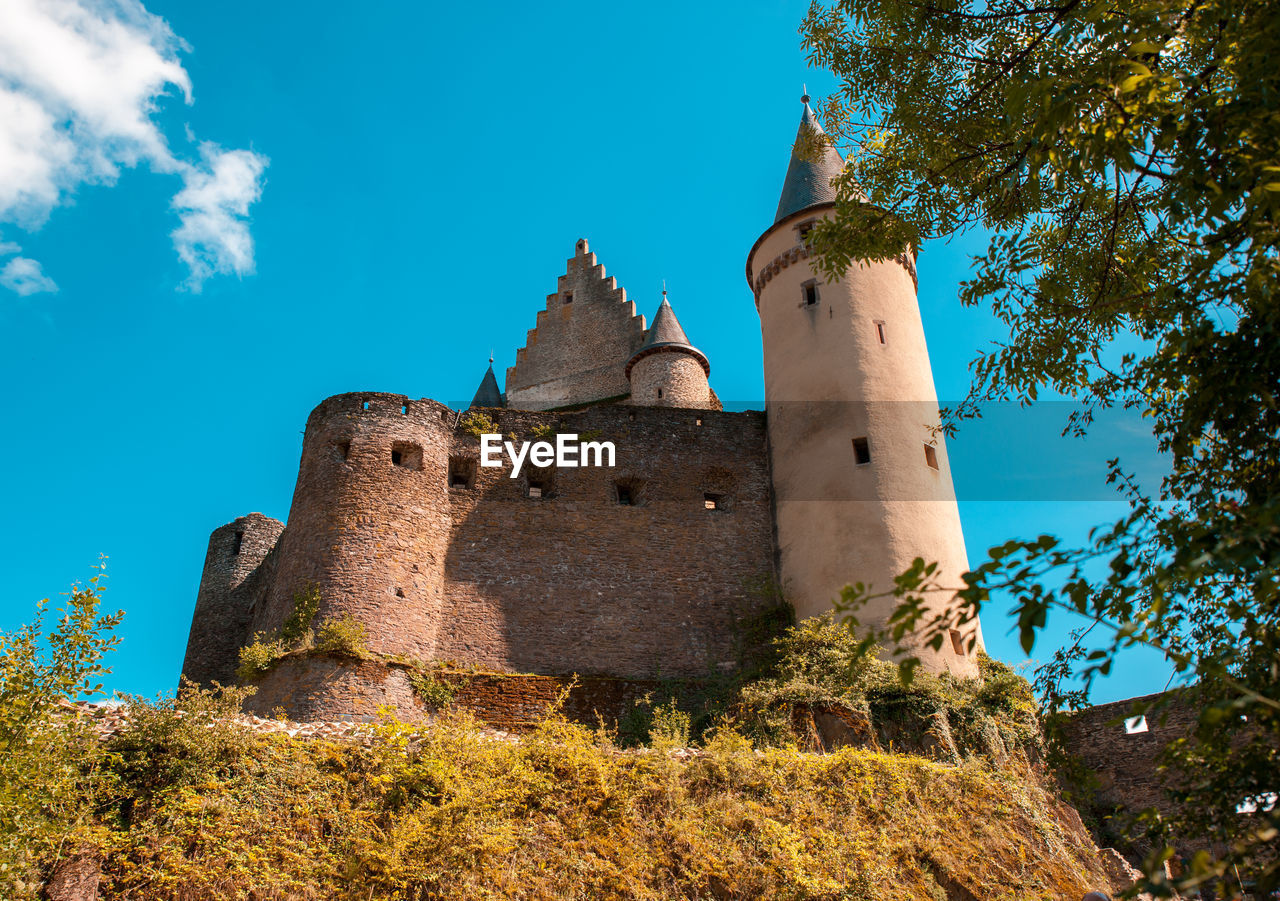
[475, 424]
[202, 809]
[341, 635]
[187, 803]
[433, 691]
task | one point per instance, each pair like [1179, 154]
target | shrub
[475, 424]
[343, 635]
[266, 649]
[434, 692]
[259, 656]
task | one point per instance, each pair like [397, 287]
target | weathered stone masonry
[570, 582]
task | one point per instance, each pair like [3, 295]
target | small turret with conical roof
[668, 371]
[488, 394]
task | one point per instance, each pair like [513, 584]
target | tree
[49, 764]
[1125, 159]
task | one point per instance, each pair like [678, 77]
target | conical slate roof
[666, 334]
[813, 165]
[488, 395]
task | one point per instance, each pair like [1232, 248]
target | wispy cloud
[24, 276]
[80, 84]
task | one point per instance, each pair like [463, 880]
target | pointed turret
[668, 371]
[488, 395]
[814, 162]
[666, 334]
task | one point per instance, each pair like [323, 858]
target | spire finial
[491, 358]
[664, 288]
[804, 97]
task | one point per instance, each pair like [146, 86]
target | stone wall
[579, 348]
[670, 379]
[310, 687]
[655, 567]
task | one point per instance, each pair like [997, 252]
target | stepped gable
[578, 351]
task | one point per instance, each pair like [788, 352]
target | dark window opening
[713, 502]
[236, 544]
[343, 449]
[568, 297]
[399, 592]
[880, 332]
[364, 406]
[804, 228]
[810, 293]
[931, 455]
[659, 394]
[624, 496]
[406, 456]
[957, 643]
[462, 472]
[861, 451]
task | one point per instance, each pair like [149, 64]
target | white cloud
[80, 84]
[25, 276]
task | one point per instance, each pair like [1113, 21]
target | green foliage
[436, 693]
[297, 625]
[343, 635]
[259, 656]
[49, 763]
[475, 424]
[545, 431]
[1125, 158]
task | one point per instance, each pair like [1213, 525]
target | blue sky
[374, 197]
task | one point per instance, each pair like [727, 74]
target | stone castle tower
[654, 568]
[861, 480]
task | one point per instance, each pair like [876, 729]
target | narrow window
[624, 496]
[659, 394]
[713, 501]
[810, 293]
[698, 421]
[397, 457]
[568, 297]
[404, 409]
[931, 455]
[462, 472]
[1135, 724]
[957, 642]
[236, 543]
[861, 451]
[342, 449]
[364, 406]
[804, 228]
[880, 331]
[535, 490]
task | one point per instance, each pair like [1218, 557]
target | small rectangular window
[237, 543]
[804, 228]
[1135, 724]
[698, 421]
[957, 642]
[624, 496]
[568, 297]
[342, 449]
[404, 408]
[861, 451]
[880, 331]
[931, 456]
[713, 502]
[535, 490]
[364, 406]
[407, 456]
[810, 293]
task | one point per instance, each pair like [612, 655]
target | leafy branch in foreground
[1125, 160]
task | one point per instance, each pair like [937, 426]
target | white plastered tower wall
[845, 361]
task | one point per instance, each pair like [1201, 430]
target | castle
[648, 569]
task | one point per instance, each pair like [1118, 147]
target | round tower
[668, 371]
[229, 586]
[862, 483]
